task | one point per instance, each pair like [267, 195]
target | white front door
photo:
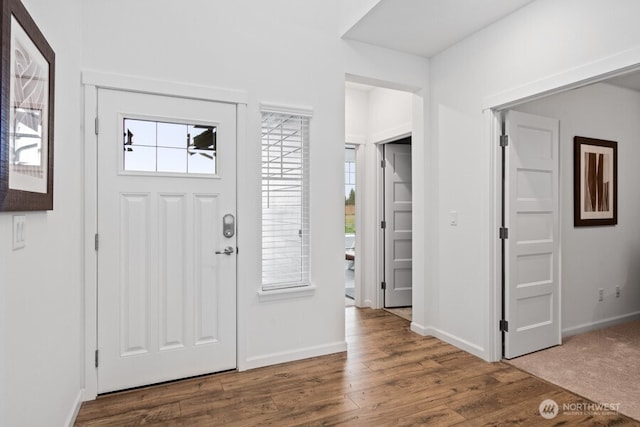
[532, 284]
[398, 230]
[166, 179]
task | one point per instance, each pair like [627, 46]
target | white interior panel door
[532, 288]
[398, 231]
[166, 178]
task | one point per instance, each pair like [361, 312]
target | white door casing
[398, 230]
[166, 301]
[532, 276]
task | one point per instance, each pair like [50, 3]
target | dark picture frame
[27, 82]
[595, 191]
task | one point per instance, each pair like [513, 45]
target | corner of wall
[75, 409]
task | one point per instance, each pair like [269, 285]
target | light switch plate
[453, 218]
[19, 231]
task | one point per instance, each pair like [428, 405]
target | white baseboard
[75, 409]
[600, 324]
[293, 355]
[462, 344]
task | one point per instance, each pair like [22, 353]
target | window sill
[287, 293]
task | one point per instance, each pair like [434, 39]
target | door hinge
[96, 358]
[97, 122]
[383, 224]
[504, 233]
[383, 285]
[96, 241]
[504, 326]
[382, 163]
[504, 140]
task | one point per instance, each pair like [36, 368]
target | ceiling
[426, 27]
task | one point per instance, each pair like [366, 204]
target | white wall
[246, 45]
[40, 285]
[546, 38]
[356, 105]
[390, 114]
[598, 257]
[377, 66]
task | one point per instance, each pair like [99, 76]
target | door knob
[227, 251]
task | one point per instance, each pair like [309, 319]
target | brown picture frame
[27, 76]
[595, 191]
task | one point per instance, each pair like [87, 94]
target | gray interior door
[398, 225]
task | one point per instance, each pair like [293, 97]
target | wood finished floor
[390, 377]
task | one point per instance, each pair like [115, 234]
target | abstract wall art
[26, 112]
[595, 190]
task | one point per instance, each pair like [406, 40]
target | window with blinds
[285, 199]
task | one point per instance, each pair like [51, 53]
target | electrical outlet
[617, 291]
[600, 294]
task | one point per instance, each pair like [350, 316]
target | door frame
[91, 82]
[493, 106]
[358, 145]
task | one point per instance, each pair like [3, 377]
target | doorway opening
[598, 300]
[590, 299]
[376, 116]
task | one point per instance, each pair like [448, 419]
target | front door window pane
[172, 160]
[172, 135]
[154, 146]
[142, 159]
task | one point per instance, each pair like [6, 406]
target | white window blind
[285, 200]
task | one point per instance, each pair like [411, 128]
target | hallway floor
[390, 376]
